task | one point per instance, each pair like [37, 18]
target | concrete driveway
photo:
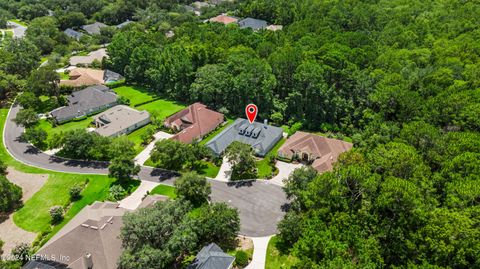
[135, 199]
[224, 172]
[143, 156]
[284, 170]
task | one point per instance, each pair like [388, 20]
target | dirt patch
[245, 243]
[10, 234]
[30, 183]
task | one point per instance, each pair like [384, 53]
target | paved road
[260, 204]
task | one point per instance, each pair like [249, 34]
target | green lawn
[166, 190]
[211, 135]
[275, 260]
[208, 169]
[34, 215]
[8, 34]
[136, 138]
[162, 108]
[64, 76]
[136, 94]
[264, 167]
[19, 22]
[72, 125]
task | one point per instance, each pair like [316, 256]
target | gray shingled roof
[84, 102]
[109, 76]
[94, 28]
[212, 257]
[73, 34]
[260, 136]
[252, 23]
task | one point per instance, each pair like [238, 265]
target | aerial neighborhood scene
[230, 134]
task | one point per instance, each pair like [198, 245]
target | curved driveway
[260, 204]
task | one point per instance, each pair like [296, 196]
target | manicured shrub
[56, 212]
[116, 193]
[75, 192]
[241, 259]
[21, 252]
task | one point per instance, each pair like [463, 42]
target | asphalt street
[260, 204]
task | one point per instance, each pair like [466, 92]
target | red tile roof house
[194, 122]
[319, 151]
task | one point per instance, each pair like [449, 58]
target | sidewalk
[260, 245]
[224, 173]
[135, 199]
[143, 156]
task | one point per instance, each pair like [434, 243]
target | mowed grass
[19, 22]
[264, 168]
[63, 76]
[275, 260]
[69, 126]
[34, 215]
[166, 190]
[208, 169]
[136, 94]
[136, 138]
[162, 108]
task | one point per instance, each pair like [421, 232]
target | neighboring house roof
[254, 24]
[274, 27]
[212, 257]
[19, 32]
[261, 137]
[84, 77]
[94, 28]
[218, 2]
[194, 122]
[324, 151]
[223, 19]
[73, 34]
[17, 29]
[119, 118]
[123, 24]
[92, 56]
[150, 200]
[199, 5]
[85, 101]
[110, 76]
[92, 236]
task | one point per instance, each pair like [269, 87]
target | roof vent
[88, 261]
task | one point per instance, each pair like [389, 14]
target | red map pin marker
[251, 110]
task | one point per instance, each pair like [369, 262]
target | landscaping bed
[276, 260]
[165, 190]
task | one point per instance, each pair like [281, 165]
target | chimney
[88, 261]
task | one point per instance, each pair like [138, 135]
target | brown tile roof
[324, 151]
[84, 77]
[194, 122]
[223, 19]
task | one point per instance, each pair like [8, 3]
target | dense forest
[402, 78]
